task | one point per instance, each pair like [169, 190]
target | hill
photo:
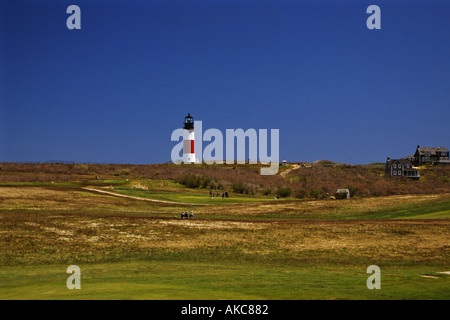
[316, 181]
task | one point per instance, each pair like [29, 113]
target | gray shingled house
[438, 155]
[401, 168]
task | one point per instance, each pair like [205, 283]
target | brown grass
[65, 199]
[36, 238]
[74, 200]
[46, 225]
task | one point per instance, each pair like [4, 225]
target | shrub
[122, 172]
[250, 189]
[353, 190]
[213, 185]
[205, 181]
[195, 181]
[191, 180]
[284, 192]
[81, 168]
[442, 179]
[222, 185]
[300, 194]
[239, 187]
[317, 193]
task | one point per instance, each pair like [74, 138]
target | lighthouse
[188, 140]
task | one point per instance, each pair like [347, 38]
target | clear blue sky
[115, 90]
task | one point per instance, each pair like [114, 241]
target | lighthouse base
[189, 158]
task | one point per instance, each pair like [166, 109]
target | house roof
[433, 150]
[402, 161]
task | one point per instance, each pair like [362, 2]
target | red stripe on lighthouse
[188, 146]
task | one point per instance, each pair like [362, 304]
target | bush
[251, 189]
[239, 187]
[300, 194]
[284, 192]
[193, 181]
[442, 179]
[81, 168]
[122, 172]
[353, 190]
[213, 185]
[222, 185]
[317, 193]
[205, 181]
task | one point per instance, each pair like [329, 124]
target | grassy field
[163, 280]
[188, 196]
[251, 247]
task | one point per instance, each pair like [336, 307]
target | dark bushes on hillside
[242, 187]
[284, 192]
[239, 187]
[300, 193]
[194, 181]
[317, 193]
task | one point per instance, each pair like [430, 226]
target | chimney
[418, 146]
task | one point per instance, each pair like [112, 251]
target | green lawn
[194, 197]
[433, 210]
[195, 280]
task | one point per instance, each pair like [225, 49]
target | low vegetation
[314, 181]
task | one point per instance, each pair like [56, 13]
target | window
[399, 173]
[395, 172]
[399, 166]
[395, 166]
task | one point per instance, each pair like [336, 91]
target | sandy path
[284, 173]
[142, 199]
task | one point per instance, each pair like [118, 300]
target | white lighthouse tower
[188, 140]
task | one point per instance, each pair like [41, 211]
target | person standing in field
[191, 215]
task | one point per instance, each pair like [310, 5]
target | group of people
[184, 214]
[224, 194]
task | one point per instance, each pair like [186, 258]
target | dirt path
[142, 199]
[284, 173]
